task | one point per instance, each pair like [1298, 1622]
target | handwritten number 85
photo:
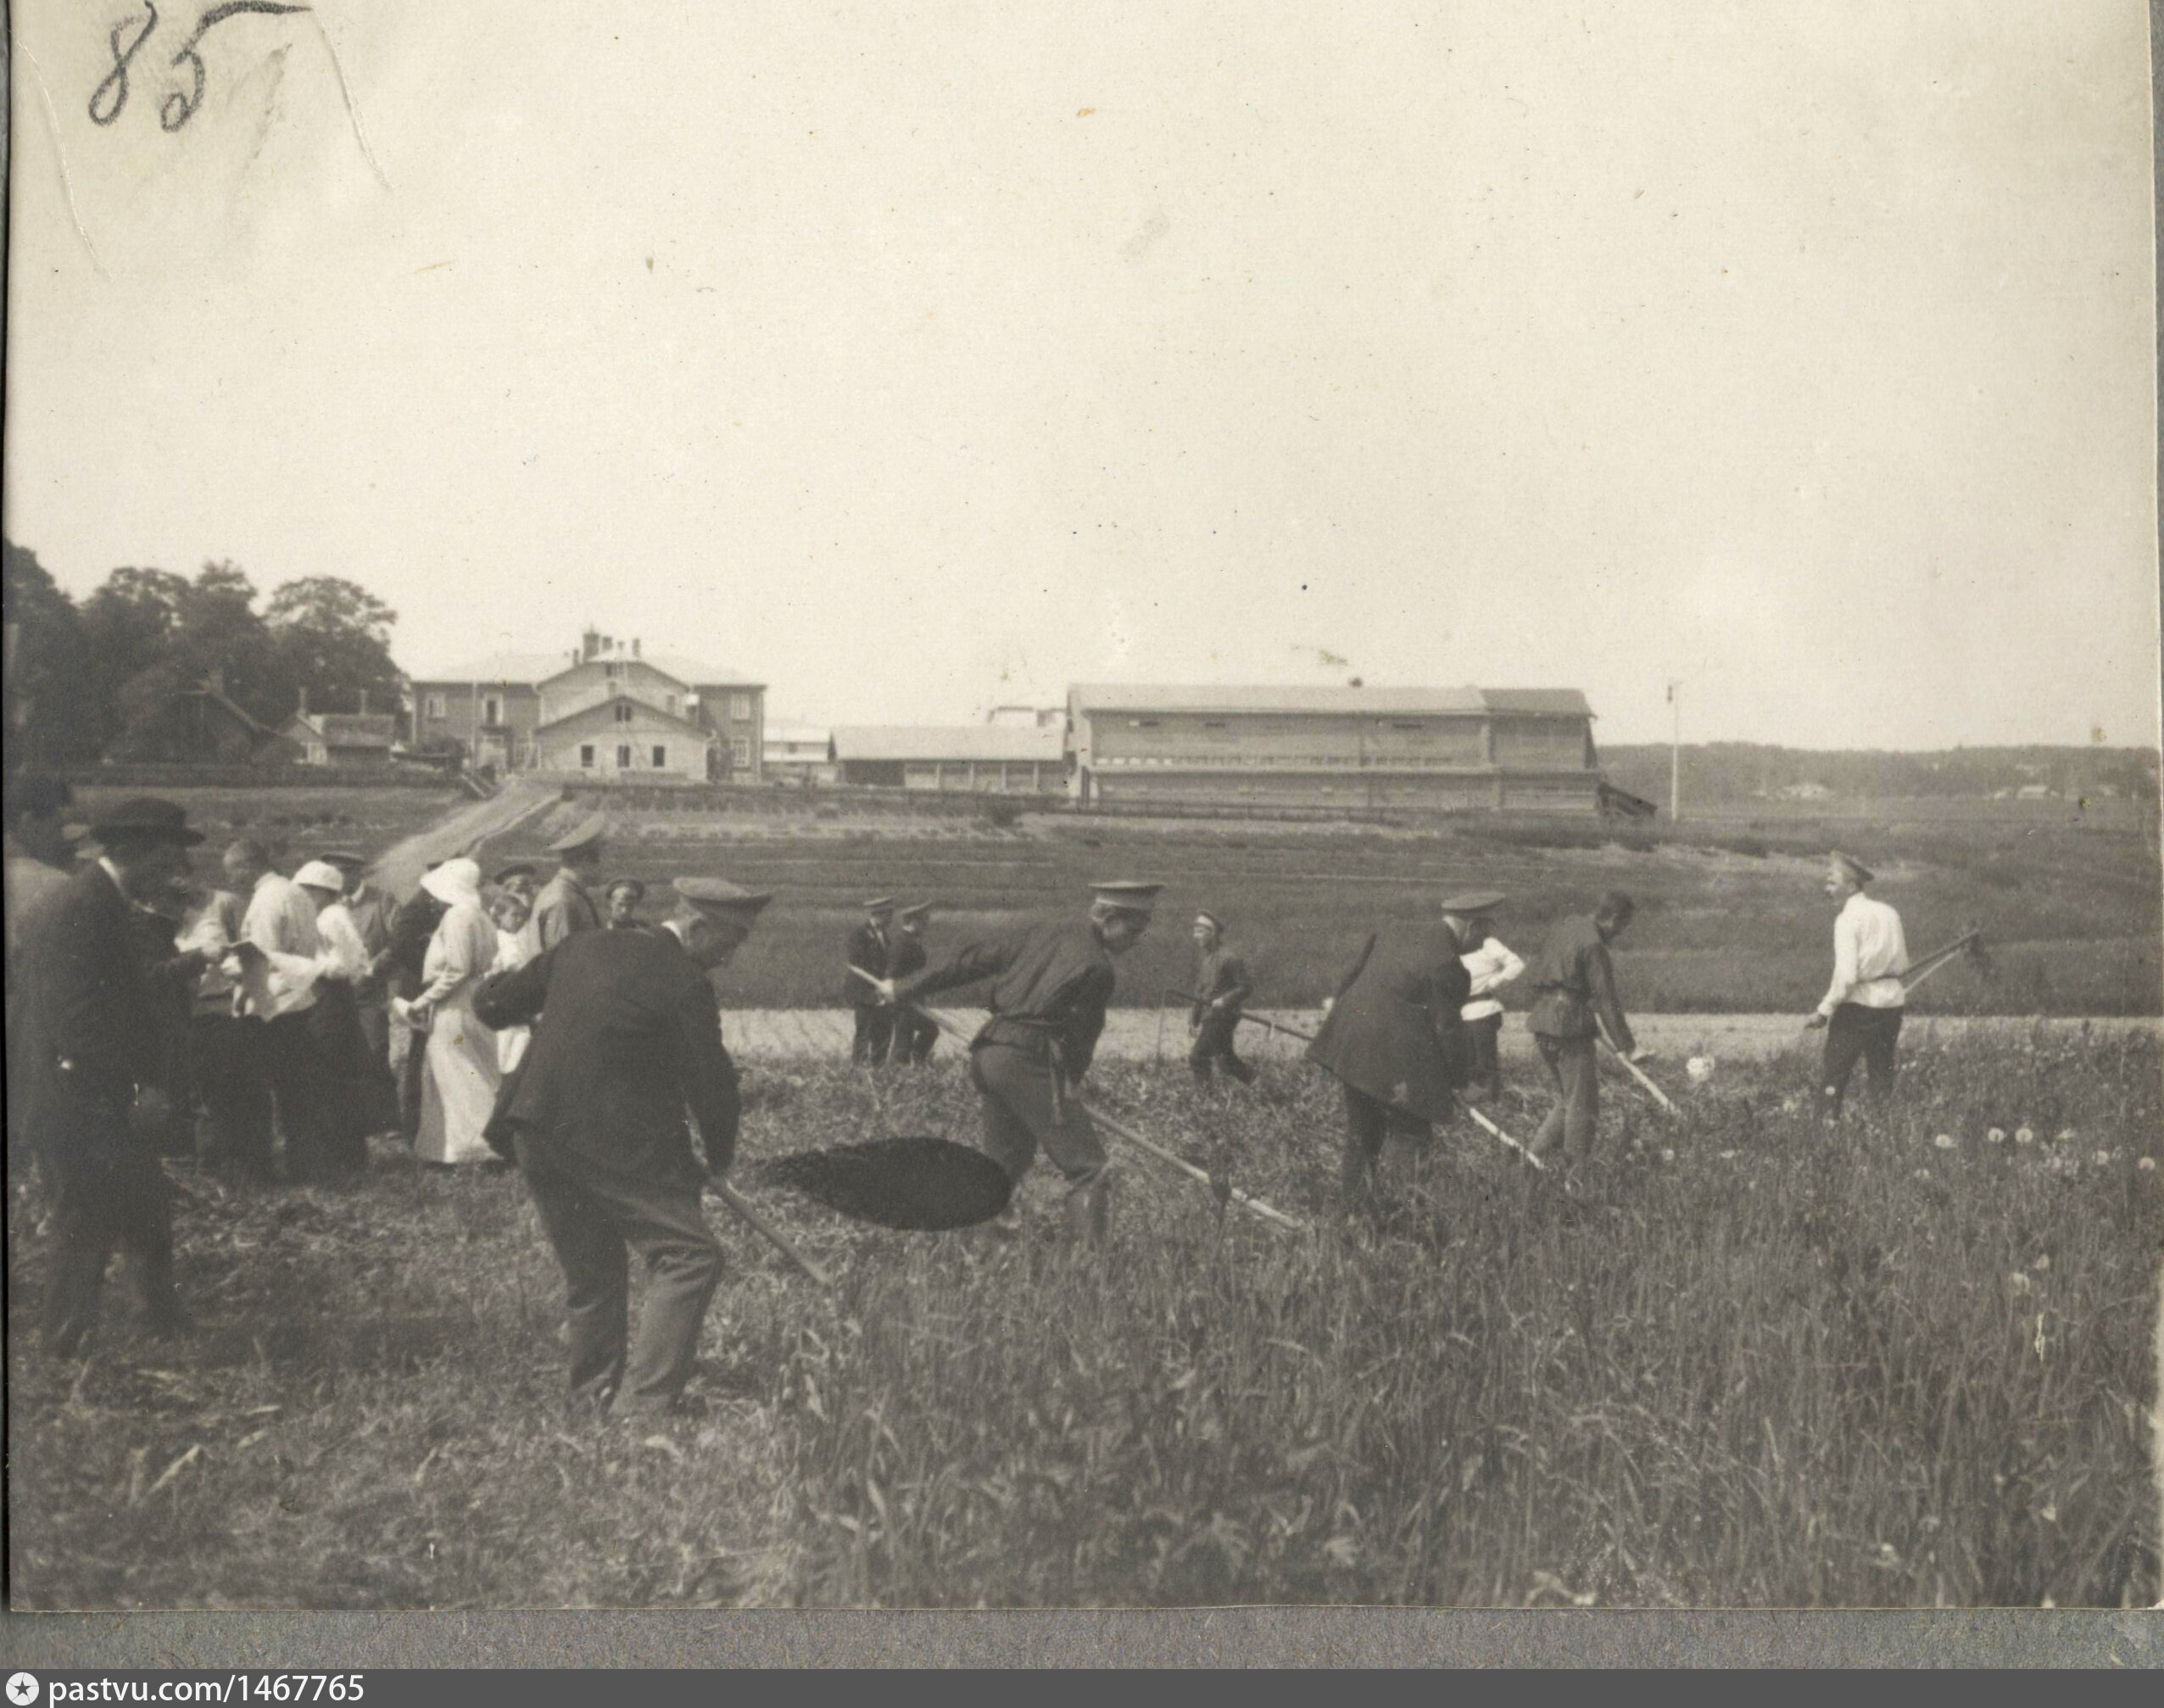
[108, 100]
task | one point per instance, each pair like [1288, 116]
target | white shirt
[280, 922]
[1491, 965]
[1869, 952]
[343, 956]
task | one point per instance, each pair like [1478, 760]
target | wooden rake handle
[1257, 1206]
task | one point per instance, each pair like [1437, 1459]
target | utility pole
[1675, 753]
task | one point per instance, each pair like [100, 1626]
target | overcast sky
[912, 359]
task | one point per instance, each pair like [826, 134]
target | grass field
[1740, 1363]
[1730, 921]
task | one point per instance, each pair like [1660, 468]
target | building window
[492, 710]
[660, 759]
[673, 705]
[623, 756]
[739, 705]
[1142, 723]
[613, 671]
[740, 752]
[623, 712]
[435, 706]
[586, 757]
[1214, 724]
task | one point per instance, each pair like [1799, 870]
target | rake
[1480, 1119]
[1246, 1201]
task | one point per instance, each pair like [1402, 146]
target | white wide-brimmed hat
[454, 881]
[321, 874]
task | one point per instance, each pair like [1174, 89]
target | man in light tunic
[1861, 1011]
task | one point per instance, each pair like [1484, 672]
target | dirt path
[462, 831]
[1135, 1034]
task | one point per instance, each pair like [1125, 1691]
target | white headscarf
[454, 881]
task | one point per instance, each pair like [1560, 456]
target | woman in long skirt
[460, 1072]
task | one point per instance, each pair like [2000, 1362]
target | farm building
[496, 709]
[1354, 749]
[798, 753]
[987, 758]
[343, 740]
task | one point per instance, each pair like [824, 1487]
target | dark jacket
[1220, 974]
[1394, 1030]
[905, 956]
[89, 1027]
[1050, 985]
[1572, 979]
[869, 950]
[412, 925]
[627, 1037]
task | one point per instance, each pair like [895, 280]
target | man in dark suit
[868, 950]
[914, 1033]
[1394, 1036]
[413, 924]
[90, 1060]
[626, 1037]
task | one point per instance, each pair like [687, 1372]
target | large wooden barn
[1354, 749]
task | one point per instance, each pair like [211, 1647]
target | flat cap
[1126, 895]
[1474, 901]
[638, 889]
[145, 818]
[915, 910]
[589, 832]
[517, 868]
[345, 859]
[1854, 870]
[719, 899]
[1204, 917]
[879, 904]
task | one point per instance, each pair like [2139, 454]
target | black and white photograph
[1156, 806]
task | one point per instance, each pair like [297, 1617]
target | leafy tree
[129, 624]
[47, 682]
[333, 639]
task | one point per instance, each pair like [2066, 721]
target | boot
[1088, 1213]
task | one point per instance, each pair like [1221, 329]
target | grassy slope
[1768, 1369]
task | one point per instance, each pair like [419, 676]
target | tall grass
[1736, 1362]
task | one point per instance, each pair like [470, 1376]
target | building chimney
[303, 700]
[591, 643]
[634, 646]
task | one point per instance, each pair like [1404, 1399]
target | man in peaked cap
[88, 1052]
[1221, 986]
[1050, 983]
[914, 1035]
[565, 905]
[868, 948]
[627, 1039]
[517, 879]
[1394, 1036]
[1862, 1009]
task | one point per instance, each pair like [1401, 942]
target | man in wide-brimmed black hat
[90, 1062]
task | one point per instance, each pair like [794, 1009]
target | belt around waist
[1013, 1034]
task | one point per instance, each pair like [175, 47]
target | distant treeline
[1734, 771]
[108, 678]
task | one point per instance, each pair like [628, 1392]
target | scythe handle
[766, 1230]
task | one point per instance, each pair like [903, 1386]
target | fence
[184, 776]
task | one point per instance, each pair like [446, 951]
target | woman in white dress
[460, 1071]
[510, 909]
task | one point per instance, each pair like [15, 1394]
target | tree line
[98, 679]
[1738, 771]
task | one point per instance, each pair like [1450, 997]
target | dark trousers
[379, 1091]
[1483, 1040]
[1212, 1048]
[341, 1053]
[232, 1091]
[595, 1218]
[874, 1035]
[1855, 1034]
[411, 1076]
[913, 1038]
[1371, 1125]
[122, 1200]
[298, 1085]
[1573, 1068]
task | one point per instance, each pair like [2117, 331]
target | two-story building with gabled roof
[610, 709]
